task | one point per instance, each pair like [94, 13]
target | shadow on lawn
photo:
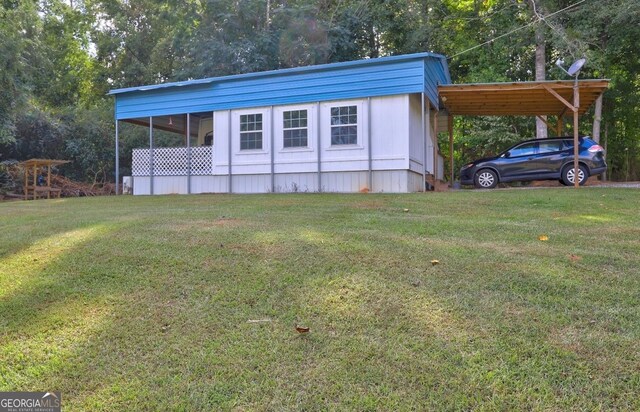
[389, 331]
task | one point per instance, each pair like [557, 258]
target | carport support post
[117, 161]
[576, 151]
[450, 127]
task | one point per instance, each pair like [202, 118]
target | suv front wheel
[568, 174]
[486, 179]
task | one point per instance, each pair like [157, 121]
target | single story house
[367, 125]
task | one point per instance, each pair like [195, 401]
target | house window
[251, 131]
[295, 128]
[344, 125]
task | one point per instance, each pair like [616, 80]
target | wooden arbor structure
[32, 169]
[540, 98]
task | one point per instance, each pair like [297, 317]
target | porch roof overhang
[540, 98]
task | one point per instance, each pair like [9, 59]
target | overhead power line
[540, 18]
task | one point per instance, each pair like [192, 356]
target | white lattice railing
[173, 161]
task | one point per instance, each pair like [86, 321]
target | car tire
[485, 179]
[567, 175]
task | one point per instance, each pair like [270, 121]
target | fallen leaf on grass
[435, 262]
[575, 258]
[302, 329]
[543, 238]
[405, 210]
[258, 320]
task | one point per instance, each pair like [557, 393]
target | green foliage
[58, 60]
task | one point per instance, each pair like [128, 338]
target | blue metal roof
[413, 73]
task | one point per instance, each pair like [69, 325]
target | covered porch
[180, 146]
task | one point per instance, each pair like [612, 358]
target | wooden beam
[557, 96]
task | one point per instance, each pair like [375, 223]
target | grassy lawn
[147, 303]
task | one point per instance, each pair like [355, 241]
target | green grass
[143, 303]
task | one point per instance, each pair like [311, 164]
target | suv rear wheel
[486, 179]
[568, 175]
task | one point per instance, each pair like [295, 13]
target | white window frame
[235, 130]
[253, 131]
[305, 128]
[355, 124]
[311, 127]
[326, 125]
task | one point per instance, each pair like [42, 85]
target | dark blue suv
[537, 159]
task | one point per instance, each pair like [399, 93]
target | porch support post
[576, 151]
[188, 129]
[319, 146]
[117, 160]
[369, 148]
[450, 128]
[229, 134]
[424, 143]
[427, 135]
[151, 159]
[272, 150]
[434, 139]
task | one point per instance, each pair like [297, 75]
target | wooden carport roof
[541, 98]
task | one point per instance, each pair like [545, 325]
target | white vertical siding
[396, 148]
[389, 132]
[296, 182]
[209, 184]
[140, 185]
[415, 182]
[416, 138]
[298, 159]
[170, 185]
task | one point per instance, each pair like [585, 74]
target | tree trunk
[597, 118]
[541, 126]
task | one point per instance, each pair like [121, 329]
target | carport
[558, 99]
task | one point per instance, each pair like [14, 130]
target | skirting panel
[416, 184]
[384, 181]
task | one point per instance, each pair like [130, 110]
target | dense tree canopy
[59, 58]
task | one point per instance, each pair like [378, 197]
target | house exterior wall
[389, 128]
[391, 124]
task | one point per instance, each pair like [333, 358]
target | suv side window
[550, 146]
[525, 149]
